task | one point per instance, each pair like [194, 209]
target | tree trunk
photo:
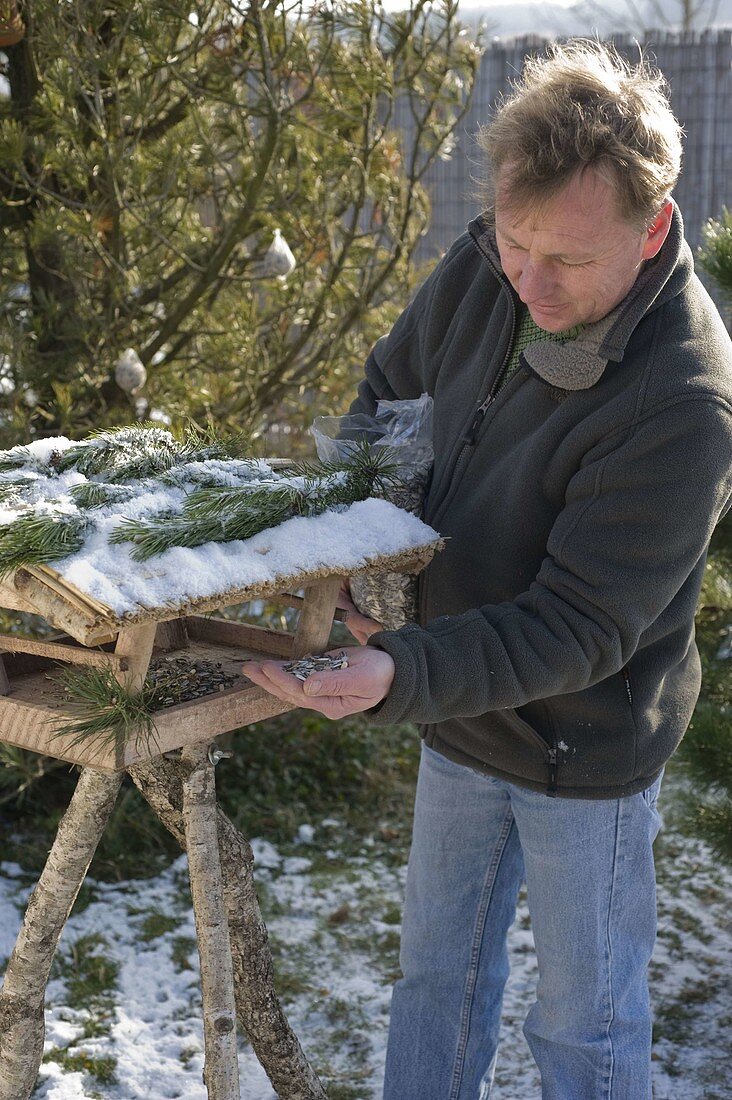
[259, 1012]
[221, 1070]
[22, 1027]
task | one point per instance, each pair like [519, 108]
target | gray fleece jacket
[555, 645]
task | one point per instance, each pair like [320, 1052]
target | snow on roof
[331, 542]
[342, 540]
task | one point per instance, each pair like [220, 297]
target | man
[582, 383]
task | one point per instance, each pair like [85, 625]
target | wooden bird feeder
[33, 704]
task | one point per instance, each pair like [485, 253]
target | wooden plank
[172, 635]
[289, 599]
[195, 719]
[81, 626]
[12, 601]
[135, 646]
[316, 617]
[72, 654]
[31, 725]
[135, 643]
[68, 591]
[278, 644]
[410, 561]
[30, 717]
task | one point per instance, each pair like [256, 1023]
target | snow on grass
[334, 925]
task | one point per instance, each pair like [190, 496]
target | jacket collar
[579, 363]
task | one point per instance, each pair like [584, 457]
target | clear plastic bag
[406, 428]
[403, 426]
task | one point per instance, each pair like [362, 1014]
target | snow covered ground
[123, 1003]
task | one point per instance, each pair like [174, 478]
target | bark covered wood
[259, 1012]
[221, 1070]
[22, 1026]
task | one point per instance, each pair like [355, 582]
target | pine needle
[369, 469]
[107, 712]
[215, 511]
[32, 540]
[127, 453]
[18, 458]
[95, 494]
[161, 533]
[201, 444]
[12, 489]
[213, 514]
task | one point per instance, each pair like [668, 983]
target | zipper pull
[552, 788]
[470, 436]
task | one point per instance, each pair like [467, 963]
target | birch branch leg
[259, 1011]
[22, 1026]
[316, 617]
[221, 1069]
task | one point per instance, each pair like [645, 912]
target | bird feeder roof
[99, 587]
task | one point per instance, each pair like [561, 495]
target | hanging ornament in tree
[129, 373]
[278, 259]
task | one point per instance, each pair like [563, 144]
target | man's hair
[582, 105]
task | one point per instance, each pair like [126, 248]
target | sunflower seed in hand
[306, 666]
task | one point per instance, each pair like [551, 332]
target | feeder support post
[135, 643]
[22, 1026]
[221, 1070]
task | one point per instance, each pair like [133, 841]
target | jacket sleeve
[635, 524]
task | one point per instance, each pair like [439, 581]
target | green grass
[157, 924]
[302, 768]
[90, 977]
[187, 1055]
[89, 973]
[181, 951]
[101, 1069]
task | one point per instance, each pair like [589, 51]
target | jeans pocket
[650, 794]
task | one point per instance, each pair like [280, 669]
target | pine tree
[707, 747]
[208, 207]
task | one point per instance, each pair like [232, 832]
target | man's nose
[535, 282]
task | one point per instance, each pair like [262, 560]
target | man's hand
[359, 625]
[335, 694]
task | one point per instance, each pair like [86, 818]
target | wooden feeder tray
[33, 703]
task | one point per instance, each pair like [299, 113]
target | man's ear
[658, 231]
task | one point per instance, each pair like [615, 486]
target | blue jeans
[590, 879]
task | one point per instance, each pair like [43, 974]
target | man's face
[574, 257]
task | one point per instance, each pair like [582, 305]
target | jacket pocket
[596, 733]
[547, 749]
[523, 729]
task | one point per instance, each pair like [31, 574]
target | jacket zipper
[471, 433]
[551, 751]
[468, 441]
[628, 691]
